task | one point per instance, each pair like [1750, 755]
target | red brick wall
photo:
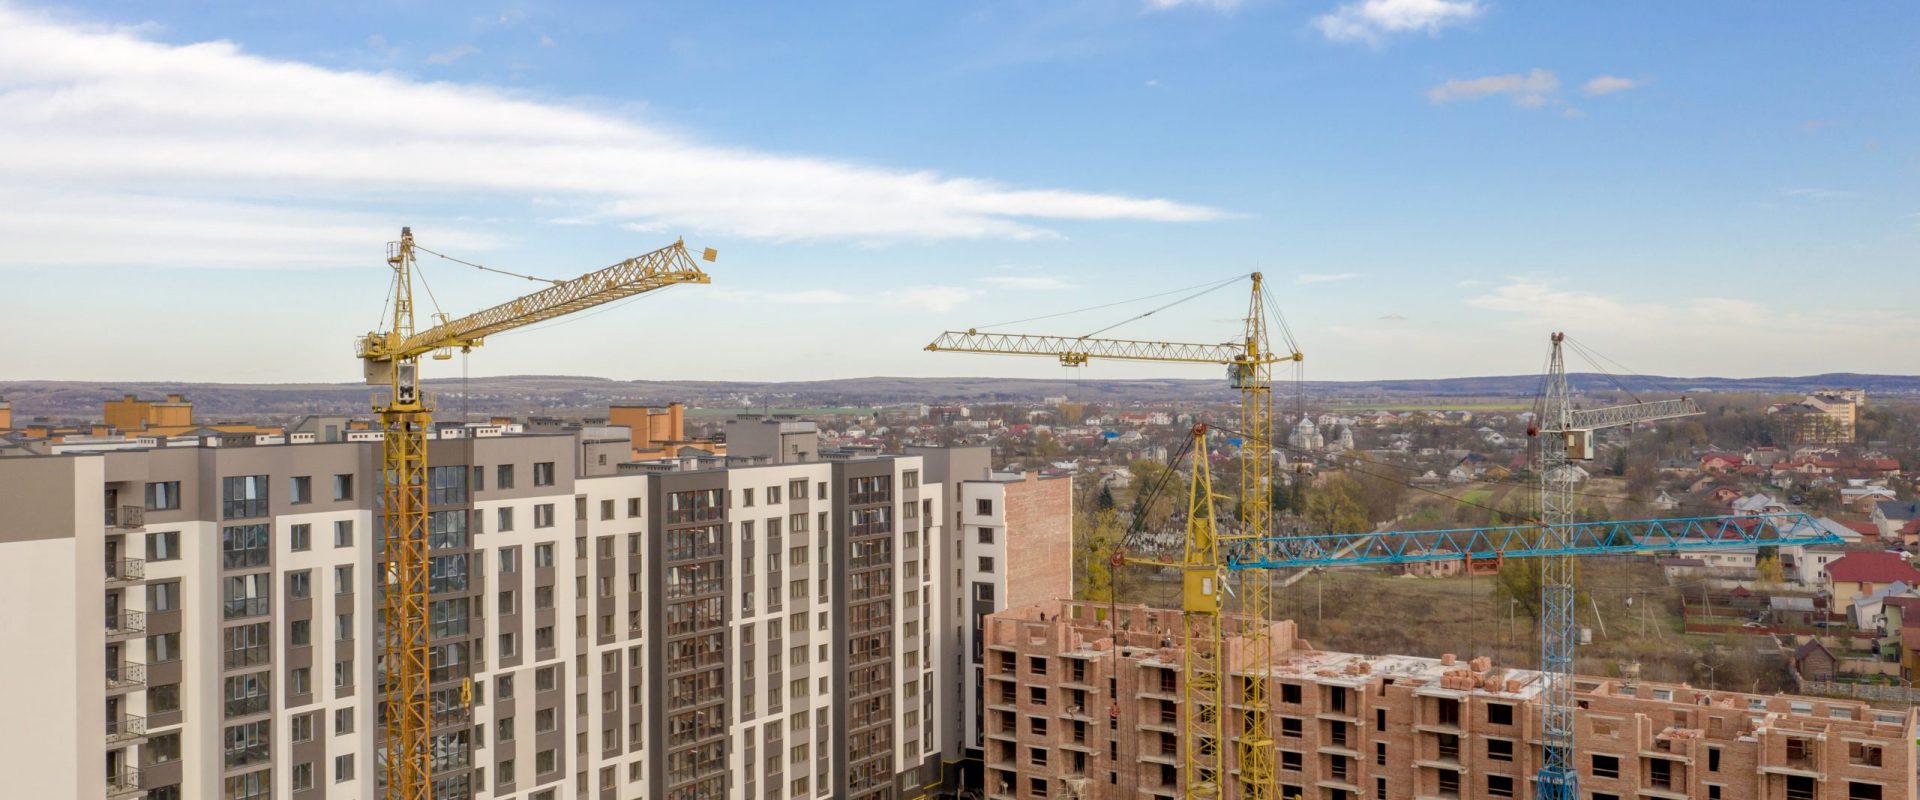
[1039, 514]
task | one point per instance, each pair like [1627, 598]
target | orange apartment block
[1081, 707]
[134, 414]
[6, 415]
[659, 432]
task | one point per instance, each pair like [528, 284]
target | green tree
[1095, 537]
[1334, 507]
[1104, 500]
[1519, 582]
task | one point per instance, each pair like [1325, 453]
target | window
[543, 515]
[509, 647]
[343, 533]
[243, 496]
[543, 556]
[342, 721]
[300, 680]
[302, 777]
[163, 496]
[546, 679]
[1290, 693]
[543, 473]
[1606, 766]
[343, 487]
[163, 699]
[243, 546]
[343, 580]
[343, 627]
[300, 633]
[544, 762]
[302, 728]
[821, 491]
[986, 535]
[606, 509]
[163, 546]
[1290, 760]
[910, 479]
[1863, 791]
[1499, 786]
[300, 538]
[343, 768]
[1499, 750]
[633, 506]
[342, 674]
[503, 690]
[503, 519]
[301, 489]
[163, 597]
[1380, 753]
[983, 507]
[503, 477]
[163, 647]
[986, 563]
[1499, 714]
[1713, 759]
[479, 478]
[162, 749]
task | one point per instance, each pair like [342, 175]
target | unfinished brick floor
[1070, 714]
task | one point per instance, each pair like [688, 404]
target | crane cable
[533, 278]
[1114, 303]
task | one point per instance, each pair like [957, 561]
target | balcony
[126, 517]
[124, 783]
[126, 570]
[246, 607]
[125, 676]
[125, 624]
[126, 727]
[254, 656]
[247, 706]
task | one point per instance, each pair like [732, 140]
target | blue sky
[202, 191]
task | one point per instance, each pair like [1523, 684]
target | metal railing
[126, 569]
[246, 607]
[127, 516]
[124, 782]
[126, 623]
[247, 706]
[126, 726]
[126, 675]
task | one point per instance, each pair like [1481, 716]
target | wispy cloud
[801, 297]
[1372, 21]
[934, 299]
[455, 54]
[1393, 317]
[1325, 277]
[1217, 5]
[1750, 337]
[1609, 84]
[1810, 193]
[109, 115]
[1029, 282]
[1530, 90]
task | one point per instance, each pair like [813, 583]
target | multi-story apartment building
[757, 626]
[1083, 704]
[1011, 545]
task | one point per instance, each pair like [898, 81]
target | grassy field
[1376, 613]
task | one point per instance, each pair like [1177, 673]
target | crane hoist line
[391, 359]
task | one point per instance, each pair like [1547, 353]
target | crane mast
[1565, 436]
[1208, 685]
[391, 358]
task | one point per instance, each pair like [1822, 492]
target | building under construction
[1084, 701]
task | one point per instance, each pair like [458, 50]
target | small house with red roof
[1864, 572]
[1721, 462]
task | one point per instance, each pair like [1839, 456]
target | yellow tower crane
[391, 358]
[1206, 675]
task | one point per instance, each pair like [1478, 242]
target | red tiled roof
[1873, 567]
[1861, 527]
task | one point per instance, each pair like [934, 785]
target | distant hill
[567, 394]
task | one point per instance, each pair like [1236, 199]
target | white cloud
[1745, 336]
[1608, 84]
[936, 299]
[1326, 277]
[455, 54]
[1394, 317]
[1029, 282]
[546, 41]
[1811, 193]
[1371, 21]
[105, 114]
[1530, 90]
[796, 297]
[1217, 5]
